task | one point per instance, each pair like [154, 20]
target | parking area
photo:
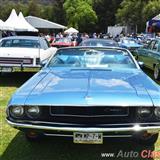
[15, 147]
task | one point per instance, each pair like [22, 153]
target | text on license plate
[88, 138]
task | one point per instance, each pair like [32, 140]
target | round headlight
[17, 111]
[33, 111]
[157, 112]
[144, 112]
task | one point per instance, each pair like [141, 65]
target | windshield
[92, 58]
[65, 40]
[21, 43]
[99, 43]
[129, 41]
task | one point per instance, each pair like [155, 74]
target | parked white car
[24, 52]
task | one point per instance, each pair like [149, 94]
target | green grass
[13, 145]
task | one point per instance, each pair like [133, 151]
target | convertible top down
[88, 93]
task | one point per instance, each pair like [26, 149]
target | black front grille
[5, 60]
[88, 111]
[86, 115]
[91, 116]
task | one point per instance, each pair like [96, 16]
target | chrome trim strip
[117, 136]
[57, 135]
[135, 128]
[81, 116]
[82, 105]
[18, 65]
[102, 125]
[105, 136]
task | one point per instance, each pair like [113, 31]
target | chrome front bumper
[135, 128]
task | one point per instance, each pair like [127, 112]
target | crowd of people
[78, 37]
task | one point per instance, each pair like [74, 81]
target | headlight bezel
[25, 114]
[144, 115]
[11, 109]
[155, 112]
[32, 115]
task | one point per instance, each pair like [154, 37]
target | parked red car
[63, 42]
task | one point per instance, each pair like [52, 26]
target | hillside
[26, 1]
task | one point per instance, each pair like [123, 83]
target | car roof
[128, 38]
[99, 39]
[22, 37]
[94, 47]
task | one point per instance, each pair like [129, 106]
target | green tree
[5, 11]
[80, 14]
[105, 10]
[21, 7]
[34, 8]
[59, 15]
[151, 9]
[46, 12]
[131, 13]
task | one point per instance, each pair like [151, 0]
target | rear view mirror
[141, 64]
[43, 63]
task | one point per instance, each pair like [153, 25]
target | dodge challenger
[89, 94]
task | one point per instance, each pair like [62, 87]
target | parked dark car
[99, 42]
[150, 55]
[88, 93]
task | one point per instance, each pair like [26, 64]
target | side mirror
[43, 63]
[141, 64]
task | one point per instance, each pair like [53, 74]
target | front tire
[145, 138]
[156, 72]
[32, 136]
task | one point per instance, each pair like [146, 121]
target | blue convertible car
[88, 93]
[131, 44]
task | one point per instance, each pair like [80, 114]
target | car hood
[88, 87]
[19, 52]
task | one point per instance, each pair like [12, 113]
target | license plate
[6, 69]
[88, 138]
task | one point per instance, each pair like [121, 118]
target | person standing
[79, 39]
